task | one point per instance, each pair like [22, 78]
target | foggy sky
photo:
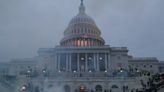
[27, 25]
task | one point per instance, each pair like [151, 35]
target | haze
[27, 25]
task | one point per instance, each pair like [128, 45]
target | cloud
[26, 25]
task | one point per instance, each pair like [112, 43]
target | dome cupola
[82, 31]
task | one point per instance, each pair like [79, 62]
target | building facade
[83, 63]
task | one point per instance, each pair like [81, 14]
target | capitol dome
[82, 31]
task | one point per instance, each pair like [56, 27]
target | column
[80, 42]
[76, 42]
[72, 42]
[93, 42]
[94, 60]
[58, 61]
[55, 60]
[97, 62]
[86, 62]
[90, 42]
[70, 62]
[87, 42]
[67, 63]
[106, 62]
[109, 62]
[78, 65]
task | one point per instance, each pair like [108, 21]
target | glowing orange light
[85, 43]
[82, 43]
[78, 42]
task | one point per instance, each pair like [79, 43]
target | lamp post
[121, 70]
[138, 72]
[124, 87]
[30, 76]
[27, 87]
[44, 72]
[45, 79]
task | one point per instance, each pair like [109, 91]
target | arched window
[78, 42]
[82, 42]
[98, 88]
[85, 43]
[67, 88]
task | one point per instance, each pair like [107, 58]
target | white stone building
[83, 63]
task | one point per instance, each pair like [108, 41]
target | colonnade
[82, 62]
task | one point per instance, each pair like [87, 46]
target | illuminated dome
[82, 31]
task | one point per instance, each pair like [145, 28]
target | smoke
[54, 89]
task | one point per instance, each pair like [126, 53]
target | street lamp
[28, 74]
[44, 71]
[138, 71]
[28, 71]
[121, 70]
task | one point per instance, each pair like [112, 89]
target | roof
[143, 59]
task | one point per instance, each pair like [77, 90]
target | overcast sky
[27, 25]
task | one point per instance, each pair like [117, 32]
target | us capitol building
[82, 63]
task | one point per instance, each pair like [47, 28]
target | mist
[27, 25]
